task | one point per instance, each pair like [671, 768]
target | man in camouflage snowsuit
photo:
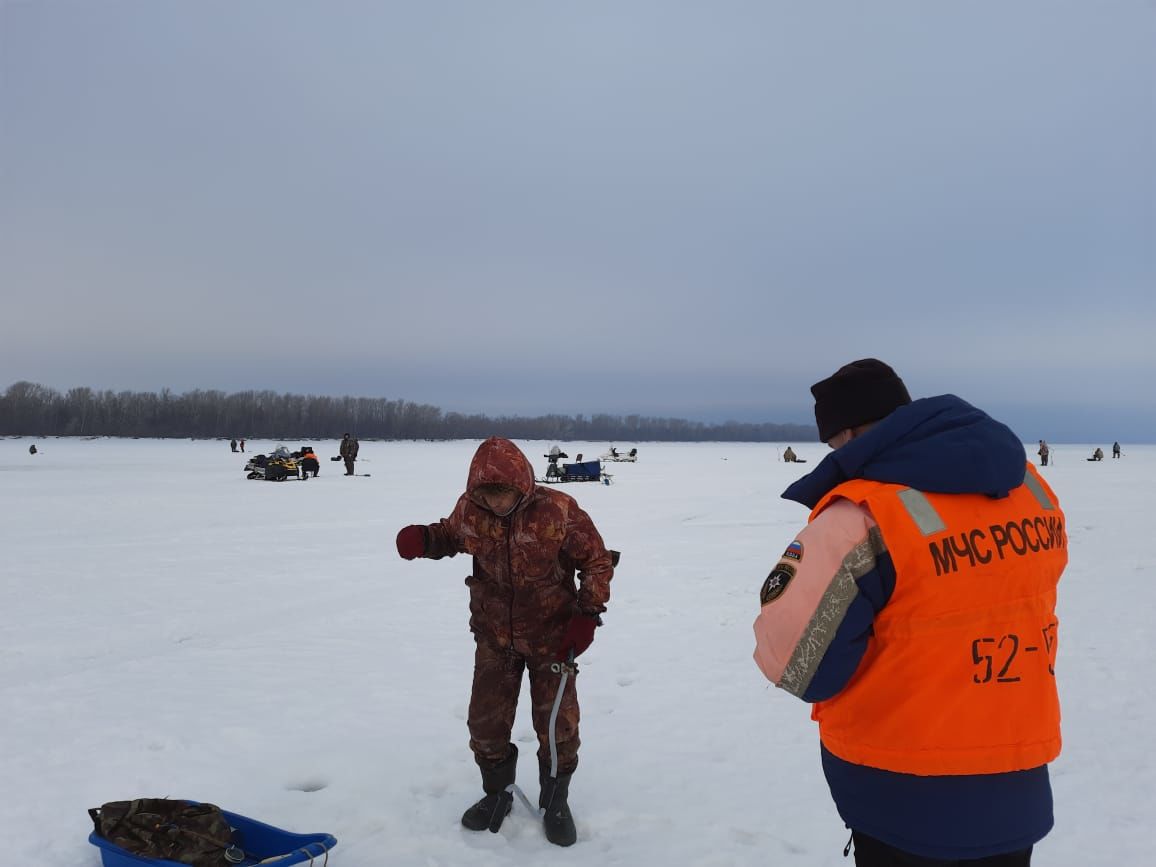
[526, 613]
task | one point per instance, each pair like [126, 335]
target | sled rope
[304, 849]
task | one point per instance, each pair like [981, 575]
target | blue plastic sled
[262, 844]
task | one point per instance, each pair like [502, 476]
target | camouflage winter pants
[494, 699]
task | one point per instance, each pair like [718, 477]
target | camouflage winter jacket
[523, 589]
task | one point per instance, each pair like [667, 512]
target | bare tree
[30, 409]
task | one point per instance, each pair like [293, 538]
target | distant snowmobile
[585, 471]
[276, 467]
[615, 455]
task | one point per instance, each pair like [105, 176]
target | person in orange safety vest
[916, 613]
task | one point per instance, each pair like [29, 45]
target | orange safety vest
[959, 675]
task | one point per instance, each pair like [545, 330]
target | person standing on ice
[348, 452]
[916, 612]
[1043, 452]
[526, 613]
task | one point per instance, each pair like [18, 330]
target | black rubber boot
[489, 812]
[557, 820]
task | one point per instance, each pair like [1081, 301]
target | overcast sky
[670, 208]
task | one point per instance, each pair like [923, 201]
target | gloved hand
[578, 635]
[411, 541]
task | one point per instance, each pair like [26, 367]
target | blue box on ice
[262, 844]
[585, 471]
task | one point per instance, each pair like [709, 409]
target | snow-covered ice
[168, 628]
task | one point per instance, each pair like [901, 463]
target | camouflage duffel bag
[197, 834]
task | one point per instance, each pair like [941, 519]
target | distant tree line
[28, 409]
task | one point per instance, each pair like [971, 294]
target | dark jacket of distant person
[348, 452]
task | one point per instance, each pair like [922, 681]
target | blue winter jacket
[937, 445]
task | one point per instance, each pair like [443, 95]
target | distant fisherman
[309, 463]
[348, 452]
[916, 612]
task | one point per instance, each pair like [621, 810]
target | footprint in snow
[308, 785]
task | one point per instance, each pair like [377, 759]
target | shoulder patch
[794, 551]
[776, 582]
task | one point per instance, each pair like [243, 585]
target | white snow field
[168, 628]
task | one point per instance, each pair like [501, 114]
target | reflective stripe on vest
[959, 676]
[920, 510]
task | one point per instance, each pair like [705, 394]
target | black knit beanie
[857, 393]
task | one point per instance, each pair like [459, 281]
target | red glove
[411, 541]
[579, 633]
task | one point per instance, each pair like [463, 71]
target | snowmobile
[615, 455]
[276, 467]
[585, 471]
